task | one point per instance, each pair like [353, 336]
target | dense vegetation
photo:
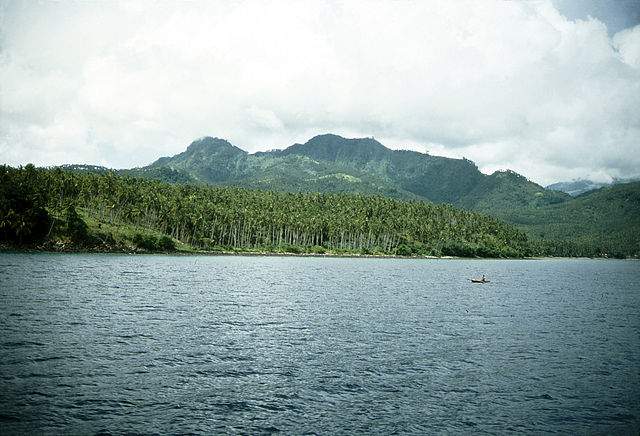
[561, 225]
[356, 213]
[330, 163]
[88, 209]
[604, 222]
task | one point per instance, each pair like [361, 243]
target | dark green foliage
[166, 174]
[145, 241]
[404, 250]
[209, 160]
[330, 163]
[604, 222]
[316, 249]
[238, 219]
[151, 242]
[23, 217]
[600, 223]
[165, 243]
[507, 190]
[289, 248]
[76, 227]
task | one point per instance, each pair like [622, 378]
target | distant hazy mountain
[85, 168]
[576, 187]
[330, 163]
[580, 186]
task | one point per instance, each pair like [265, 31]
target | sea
[162, 344]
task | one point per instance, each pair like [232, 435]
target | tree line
[37, 204]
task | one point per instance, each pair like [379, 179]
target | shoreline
[5, 249]
[223, 253]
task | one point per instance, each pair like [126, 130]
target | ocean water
[115, 344]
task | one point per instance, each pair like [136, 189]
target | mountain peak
[334, 140]
[331, 163]
[334, 147]
[209, 144]
[508, 174]
[203, 152]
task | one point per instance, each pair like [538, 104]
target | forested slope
[41, 207]
[561, 225]
[331, 163]
[604, 222]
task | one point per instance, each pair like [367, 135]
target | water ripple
[110, 344]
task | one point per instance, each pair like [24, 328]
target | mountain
[580, 186]
[84, 168]
[605, 221]
[331, 163]
[599, 222]
[211, 160]
[576, 187]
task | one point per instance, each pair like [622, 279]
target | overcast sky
[548, 89]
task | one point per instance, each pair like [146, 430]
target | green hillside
[601, 222]
[505, 191]
[84, 210]
[330, 163]
[594, 224]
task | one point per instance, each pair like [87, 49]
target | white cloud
[627, 42]
[506, 84]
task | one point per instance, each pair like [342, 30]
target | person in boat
[483, 279]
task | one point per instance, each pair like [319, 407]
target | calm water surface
[148, 344]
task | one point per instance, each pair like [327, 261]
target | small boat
[482, 280]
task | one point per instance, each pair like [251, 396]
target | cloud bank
[506, 84]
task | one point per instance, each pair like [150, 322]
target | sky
[550, 89]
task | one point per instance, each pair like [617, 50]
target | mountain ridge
[606, 219]
[588, 224]
[332, 163]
